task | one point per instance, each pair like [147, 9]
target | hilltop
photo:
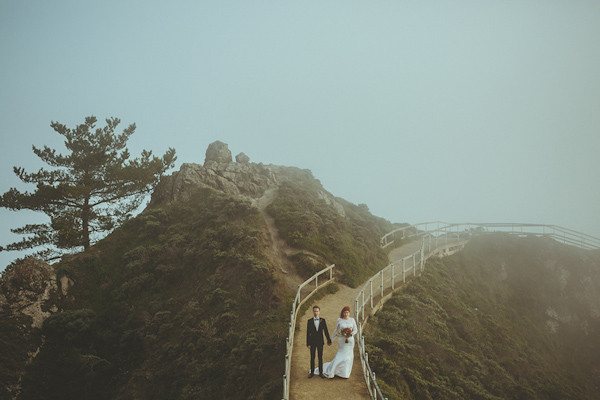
[191, 298]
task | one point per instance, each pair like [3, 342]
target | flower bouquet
[346, 332]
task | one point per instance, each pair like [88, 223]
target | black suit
[314, 339]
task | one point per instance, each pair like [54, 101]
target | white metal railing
[298, 301]
[443, 238]
[437, 228]
[376, 287]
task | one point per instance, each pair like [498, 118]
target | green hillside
[181, 302]
[507, 318]
[350, 242]
[189, 301]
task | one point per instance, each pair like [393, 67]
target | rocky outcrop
[330, 201]
[240, 178]
[218, 152]
[242, 158]
[26, 288]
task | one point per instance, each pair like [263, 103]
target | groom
[314, 340]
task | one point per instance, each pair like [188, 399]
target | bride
[345, 329]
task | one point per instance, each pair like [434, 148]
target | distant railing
[439, 228]
[441, 239]
[298, 301]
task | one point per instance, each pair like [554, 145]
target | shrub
[306, 221]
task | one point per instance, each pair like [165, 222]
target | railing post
[367, 362]
[362, 308]
[382, 284]
[414, 266]
[393, 278]
[371, 282]
[285, 392]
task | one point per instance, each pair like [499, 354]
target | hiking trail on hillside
[303, 388]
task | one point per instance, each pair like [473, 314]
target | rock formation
[26, 288]
[242, 158]
[240, 178]
[217, 152]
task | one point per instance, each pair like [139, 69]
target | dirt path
[301, 387]
[279, 251]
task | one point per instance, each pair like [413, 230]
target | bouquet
[346, 332]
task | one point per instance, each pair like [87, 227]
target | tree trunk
[85, 222]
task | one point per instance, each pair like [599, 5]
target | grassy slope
[179, 303]
[474, 325]
[351, 243]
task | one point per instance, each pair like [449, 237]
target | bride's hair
[344, 309]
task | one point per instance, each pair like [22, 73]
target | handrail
[558, 233]
[445, 238]
[292, 327]
[415, 261]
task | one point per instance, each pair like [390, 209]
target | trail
[279, 251]
[301, 387]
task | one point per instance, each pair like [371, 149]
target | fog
[463, 111]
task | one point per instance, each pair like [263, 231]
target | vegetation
[178, 303]
[307, 265]
[306, 221]
[91, 190]
[482, 324]
[15, 340]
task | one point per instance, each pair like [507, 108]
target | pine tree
[89, 191]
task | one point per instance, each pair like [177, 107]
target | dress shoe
[311, 375]
[322, 376]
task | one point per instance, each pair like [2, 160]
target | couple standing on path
[345, 329]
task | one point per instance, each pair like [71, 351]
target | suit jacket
[314, 337]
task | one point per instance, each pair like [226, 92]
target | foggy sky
[463, 111]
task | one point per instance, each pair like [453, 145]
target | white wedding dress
[341, 365]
